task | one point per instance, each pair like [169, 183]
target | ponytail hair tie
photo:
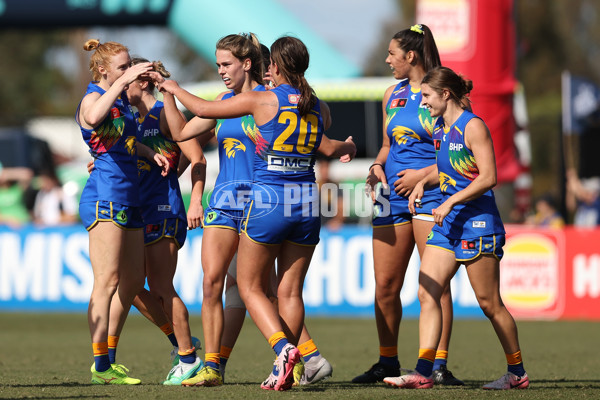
[417, 28]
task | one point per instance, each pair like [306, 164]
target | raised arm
[95, 107]
[262, 105]
[195, 127]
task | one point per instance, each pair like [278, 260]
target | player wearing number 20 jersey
[284, 193]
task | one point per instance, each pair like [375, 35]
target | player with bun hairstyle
[468, 229]
[109, 205]
[406, 156]
[239, 63]
[290, 121]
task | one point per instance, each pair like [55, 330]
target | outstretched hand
[348, 157]
[168, 86]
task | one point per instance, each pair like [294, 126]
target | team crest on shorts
[210, 217]
[122, 216]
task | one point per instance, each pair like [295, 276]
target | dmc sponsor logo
[288, 164]
[529, 273]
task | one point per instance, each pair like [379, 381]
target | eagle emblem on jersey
[427, 122]
[446, 181]
[460, 159]
[402, 134]
[143, 165]
[130, 145]
[231, 146]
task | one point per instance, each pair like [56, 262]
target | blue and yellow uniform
[285, 197]
[236, 139]
[162, 206]
[409, 127]
[475, 227]
[112, 190]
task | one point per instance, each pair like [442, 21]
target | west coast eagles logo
[130, 145]
[402, 133]
[446, 181]
[231, 146]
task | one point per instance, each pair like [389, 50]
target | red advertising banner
[551, 274]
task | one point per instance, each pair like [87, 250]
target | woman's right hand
[90, 166]
[168, 86]
[376, 175]
[414, 200]
[135, 72]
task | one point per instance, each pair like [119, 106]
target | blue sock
[173, 340]
[439, 362]
[517, 369]
[391, 361]
[280, 345]
[112, 354]
[424, 367]
[102, 363]
[188, 358]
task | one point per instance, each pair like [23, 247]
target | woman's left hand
[440, 213]
[163, 163]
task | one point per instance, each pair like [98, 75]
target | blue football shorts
[172, 228]
[275, 223]
[222, 218]
[126, 217]
[468, 249]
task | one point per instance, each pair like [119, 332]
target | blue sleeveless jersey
[112, 144]
[236, 139]
[457, 169]
[160, 196]
[287, 145]
[409, 127]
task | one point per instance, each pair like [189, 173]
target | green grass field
[48, 356]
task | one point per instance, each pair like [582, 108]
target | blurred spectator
[13, 183]
[546, 213]
[583, 198]
[334, 199]
[53, 205]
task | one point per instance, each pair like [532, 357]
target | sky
[348, 25]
